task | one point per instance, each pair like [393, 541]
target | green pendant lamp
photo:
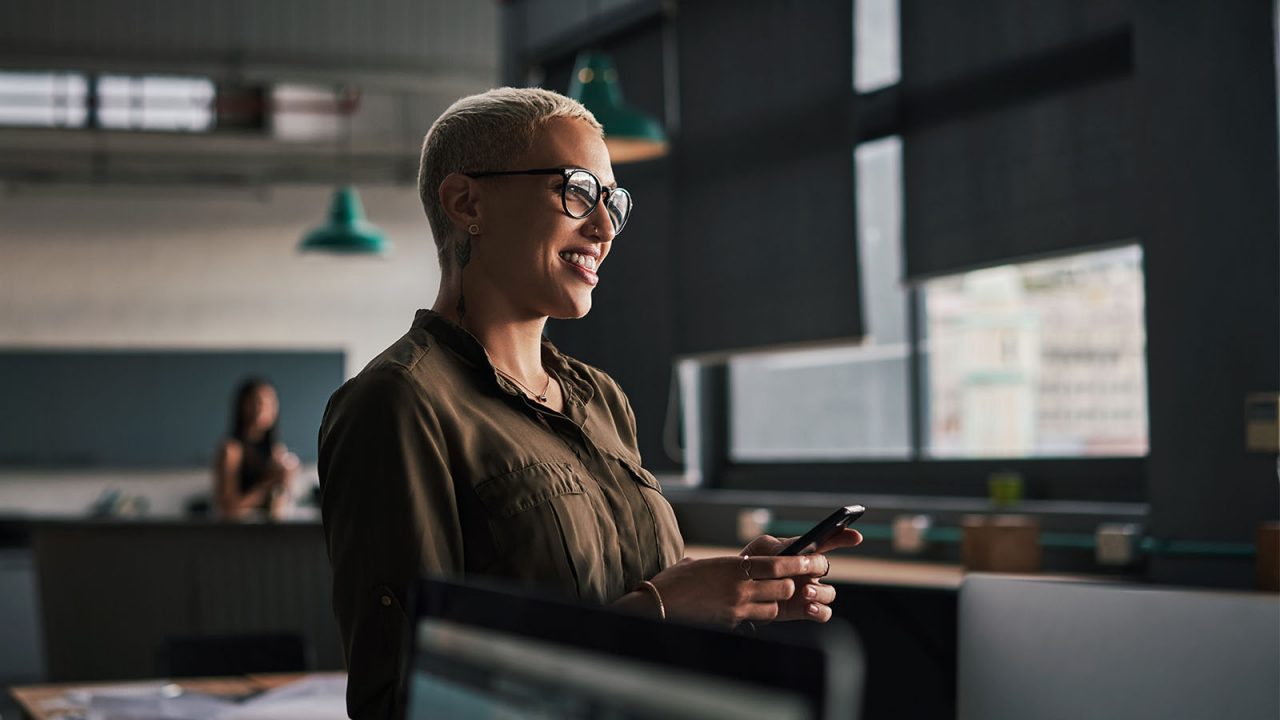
[630, 134]
[348, 233]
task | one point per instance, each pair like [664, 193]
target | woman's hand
[813, 598]
[283, 466]
[726, 591]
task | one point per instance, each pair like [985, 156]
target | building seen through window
[876, 62]
[1043, 358]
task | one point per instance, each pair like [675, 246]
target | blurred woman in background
[253, 471]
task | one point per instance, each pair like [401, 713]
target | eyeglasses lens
[581, 193]
[619, 206]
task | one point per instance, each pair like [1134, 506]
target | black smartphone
[823, 531]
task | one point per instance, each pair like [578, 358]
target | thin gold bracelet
[657, 597]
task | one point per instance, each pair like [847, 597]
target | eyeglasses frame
[604, 194]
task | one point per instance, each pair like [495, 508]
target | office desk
[49, 702]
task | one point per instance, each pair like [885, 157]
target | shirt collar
[577, 390]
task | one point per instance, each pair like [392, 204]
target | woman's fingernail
[804, 563]
[811, 592]
[814, 609]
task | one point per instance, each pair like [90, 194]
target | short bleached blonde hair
[482, 132]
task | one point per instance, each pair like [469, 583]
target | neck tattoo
[462, 254]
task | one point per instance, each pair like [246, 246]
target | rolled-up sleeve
[390, 513]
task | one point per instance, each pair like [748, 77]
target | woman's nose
[598, 226]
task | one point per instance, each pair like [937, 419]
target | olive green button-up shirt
[431, 462]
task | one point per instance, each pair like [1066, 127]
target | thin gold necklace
[542, 396]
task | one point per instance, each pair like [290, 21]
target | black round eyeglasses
[580, 193]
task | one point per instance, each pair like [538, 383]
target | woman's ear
[459, 196]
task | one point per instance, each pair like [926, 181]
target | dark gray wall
[1207, 159]
[946, 41]
[149, 408]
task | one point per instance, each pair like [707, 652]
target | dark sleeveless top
[253, 464]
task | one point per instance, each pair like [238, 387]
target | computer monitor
[488, 651]
[1033, 649]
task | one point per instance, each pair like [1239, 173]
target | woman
[252, 469]
[472, 447]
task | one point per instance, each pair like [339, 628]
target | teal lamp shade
[347, 233]
[630, 134]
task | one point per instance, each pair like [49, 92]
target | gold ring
[746, 566]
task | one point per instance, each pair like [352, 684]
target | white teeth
[585, 261]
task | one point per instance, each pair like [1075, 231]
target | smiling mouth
[583, 261]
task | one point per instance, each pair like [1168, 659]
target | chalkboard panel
[149, 408]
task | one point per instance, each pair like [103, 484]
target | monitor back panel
[1036, 649]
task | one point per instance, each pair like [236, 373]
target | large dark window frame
[888, 112]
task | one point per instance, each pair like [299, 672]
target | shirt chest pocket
[665, 528]
[544, 526]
